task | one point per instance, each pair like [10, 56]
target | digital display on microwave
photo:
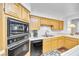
[17, 27]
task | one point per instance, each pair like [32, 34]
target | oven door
[19, 50]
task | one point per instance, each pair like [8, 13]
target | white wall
[68, 20]
[27, 5]
[78, 27]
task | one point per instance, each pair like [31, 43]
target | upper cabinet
[34, 23]
[13, 9]
[17, 10]
[61, 24]
[57, 25]
[54, 24]
[25, 14]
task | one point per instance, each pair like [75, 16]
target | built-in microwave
[16, 27]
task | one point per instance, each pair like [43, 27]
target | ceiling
[55, 10]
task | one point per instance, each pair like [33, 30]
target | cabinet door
[54, 44]
[35, 23]
[70, 43]
[12, 9]
[43, 21]
[47, 45]
[17, 10]
[61, 25]
[56, 25]
[25, 15]
[60, 42]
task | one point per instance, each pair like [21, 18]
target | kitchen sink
[47, 35]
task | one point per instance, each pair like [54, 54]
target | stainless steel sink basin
[47, 35]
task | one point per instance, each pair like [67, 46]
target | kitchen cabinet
[46, 21]
[61, 25]
[43, 21]
[60, 42]
[25, 14]
[17, 11]
[56, 25]
[70, 42]
[47, 45]
[57, 42]
[54, 44]
[13, 9]
[34, 23]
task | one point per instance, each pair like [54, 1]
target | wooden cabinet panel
[54, 44]
[17, 9]
[13, 9]
[34, 23]
[46, 45]
[56, 25]
[61, 23]
[25, 14]
[53, 23]
[43, 21]
[60, 42]
[70, 42]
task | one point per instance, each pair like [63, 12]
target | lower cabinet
[46, 45]
[54, 44]
[51, 44]
[60, 42]
[70, 42]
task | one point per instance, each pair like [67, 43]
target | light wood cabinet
[57, 42]
[47, 45]
[24, 14]
[53, 23]
[54, 44]
[43, 21]
[34, 23]
[61, 25]
[70, 42]
[56, 25]
[17, 11]
[13, 9]
[60, 42]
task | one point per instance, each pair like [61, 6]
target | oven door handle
[17, 46]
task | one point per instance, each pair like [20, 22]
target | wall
[76, 22]
[68, 20]
[27, 5]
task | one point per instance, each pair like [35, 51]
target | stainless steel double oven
[18, 37]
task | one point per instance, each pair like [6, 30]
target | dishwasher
[36, 47]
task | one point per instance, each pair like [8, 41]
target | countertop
[38, 38]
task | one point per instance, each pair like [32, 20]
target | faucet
[46, 33]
